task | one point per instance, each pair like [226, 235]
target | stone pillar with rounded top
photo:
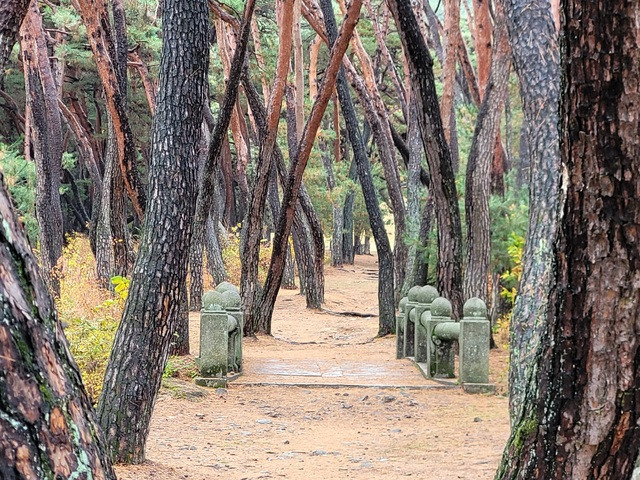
[221, 322]
[474, 346]
[400, 327]
[214, 340]
[235, 323]
[409, 325]
[425, 296]
[441, 355]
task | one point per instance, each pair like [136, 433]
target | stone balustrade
[426, 334]
[221, 324]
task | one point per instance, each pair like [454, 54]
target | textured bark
[298, 164]
[376, 113]
[414, 144]
[299, 230]
[478, 182]
[451, 29]
[215, 265]
[534, 45]
[298, 68]
[141, 346]
[255, 33]
[95, 17]
[196, 251]
[48, 428]
[206, 191]
[421, 265]
[386, 303]
[581, 410]
[482, 40]
[46, 141]
[443, 185]
[309, 256]
[12, 14]
[136, 61]
[253, 222]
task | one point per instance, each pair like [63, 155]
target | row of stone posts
[221, 324]
[426, 333]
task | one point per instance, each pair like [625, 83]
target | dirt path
[339, 430]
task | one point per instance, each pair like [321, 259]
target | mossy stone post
[426, 295]
[474, 343]
[231, 302]
[400, 327]
[409, 326]
[214, 340]
[441, 355]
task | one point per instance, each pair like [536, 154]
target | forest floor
[324, 399]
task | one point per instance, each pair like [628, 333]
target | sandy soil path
[358, 414]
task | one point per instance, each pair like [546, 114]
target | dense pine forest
[151, 150]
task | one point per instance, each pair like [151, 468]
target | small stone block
[479, 388]
[211, 382]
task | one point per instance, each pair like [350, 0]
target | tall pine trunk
[534, 44]
[443, 186]
[386, 303]
[49, 428]
[478, 181]
[46, 133]
[141, 346]
[580, 411]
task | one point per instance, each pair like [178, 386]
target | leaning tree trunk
[386, 303]
[141, 346]
[581, 411]
[95, 18]
[46, 132]
[443, 185]
[478, 182]
[12, 14]
[534, 45]
[272, 285]
[44, 407]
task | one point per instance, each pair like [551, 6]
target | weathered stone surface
[226, 287]
[440, 356]
[212, 300]
[474, 343]
[426, 295]
[214, 337]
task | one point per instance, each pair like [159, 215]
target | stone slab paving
[334, 373]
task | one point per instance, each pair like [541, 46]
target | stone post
[214, 339]
[425, 296]
[441, 355]
[400, 327]
[474, 343]
[409, 325]
[231, 302]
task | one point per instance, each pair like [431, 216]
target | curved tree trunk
[46, 132]
[535, 50]
[44, 408]
[141, 346]
[478, 183]
[443, 185]
[257, 201]
[95, 17]
[386, 303]
[274, 278]
[580, 412]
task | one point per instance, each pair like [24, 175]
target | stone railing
[426, 334]
[221, 323]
